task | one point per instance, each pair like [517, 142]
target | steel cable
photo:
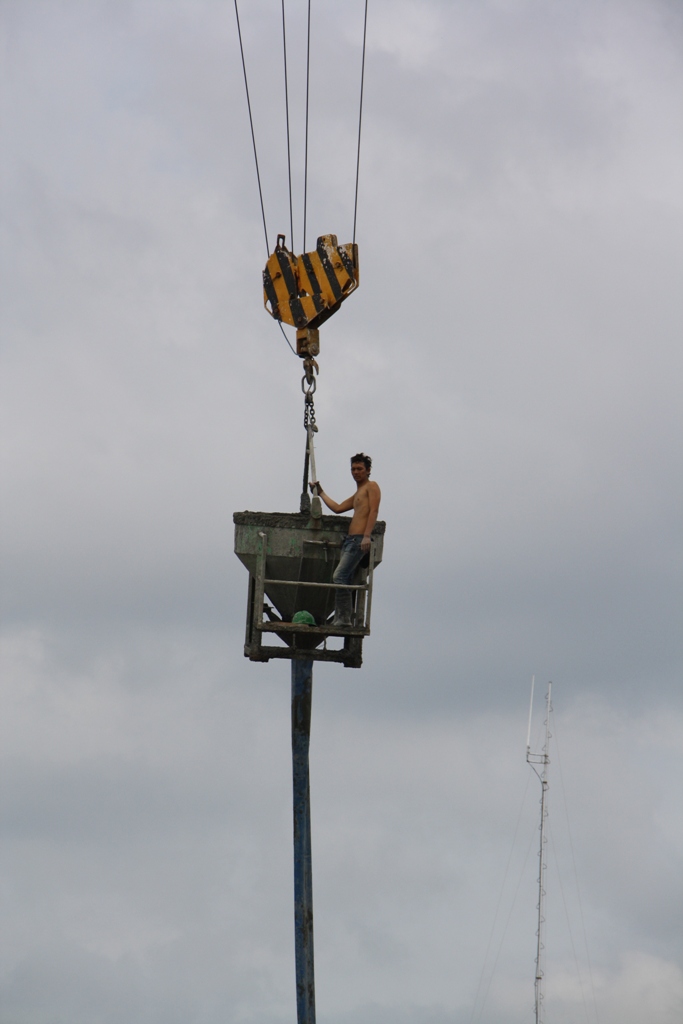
[284, 335]
[308, 75]
[569, 924]
[289, 151]
[251, 124]
[289, 159]
[360, 117]
[576, 875]
[495, 916]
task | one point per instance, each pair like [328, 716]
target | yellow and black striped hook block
[306, 290]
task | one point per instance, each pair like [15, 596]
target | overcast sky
[511, 361]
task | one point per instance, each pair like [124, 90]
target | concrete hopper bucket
[296, 550]
[291, 559]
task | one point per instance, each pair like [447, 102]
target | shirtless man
[365, 505]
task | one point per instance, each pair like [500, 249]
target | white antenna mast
[542, 759]
[531, 706]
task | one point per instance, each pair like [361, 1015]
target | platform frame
[299, 636]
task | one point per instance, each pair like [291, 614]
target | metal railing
[261, 581]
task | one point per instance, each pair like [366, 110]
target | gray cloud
[511, 361]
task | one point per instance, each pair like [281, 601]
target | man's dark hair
[362, 457]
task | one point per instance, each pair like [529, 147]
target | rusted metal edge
[349, 659]
[305, 630]
[298, 521]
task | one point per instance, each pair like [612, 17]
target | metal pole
[316, 507]
[302, 684]
[305, 502]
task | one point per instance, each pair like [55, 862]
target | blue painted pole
[302, 684]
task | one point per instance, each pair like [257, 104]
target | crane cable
[251, 124]
[289, 152]
[289, 149]
[289, 161]
[360, 116]
[308, 78]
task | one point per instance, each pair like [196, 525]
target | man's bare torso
[365, 502]
[361, 507]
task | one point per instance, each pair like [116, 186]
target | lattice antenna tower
[542, 760]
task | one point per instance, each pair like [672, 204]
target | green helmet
[303, 619]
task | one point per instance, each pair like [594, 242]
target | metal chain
[308, 385]
[309, 412]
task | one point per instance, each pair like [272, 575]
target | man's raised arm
[333, 505]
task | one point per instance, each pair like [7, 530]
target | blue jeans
[349, 559]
